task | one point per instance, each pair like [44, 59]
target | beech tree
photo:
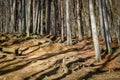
[106, 27]
[23, 19]
[34, 15]
[62, 20]
[55, 17]
[12, 22]
[69, 40]
[28, 17]
[101, 16]
[79, 19]
[94, 31]
[41, 13]
[48, 17]
[19, 16]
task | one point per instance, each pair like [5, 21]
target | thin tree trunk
[79, 20]
[94, 32]
[23, 24]
[12, 23]
[34, 16]
[48, 16]
[69, 40]
[106, 28]
[20, 16]
[38, 17]
[7, 18]
[28, 17]
[62, 21]
[55, 18]
[101, 17]
[41, 24]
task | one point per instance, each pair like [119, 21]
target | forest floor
[37, 58]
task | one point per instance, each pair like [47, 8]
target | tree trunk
[106, 27]
[12, 23]
[28, 17]
[34, 16]
[94, 32]
[38, 15]
[41, 24]
[23, 24]
[101, 17]
[62, 21]
[69, 40]
[55, 18]
[20, 17]
[48, 17]
[79, 20]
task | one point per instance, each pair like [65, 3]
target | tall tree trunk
[55, 18]
[6, 18]
[34, 16]
[20, 17]
[79, 19]
[94, 31]
[12, 23]
[38, 15]
[41, 24]
[48, 16]
[106, 27]
[101, 17]
[23, 19]
[69, 40]
[28, 17]
[62, 21]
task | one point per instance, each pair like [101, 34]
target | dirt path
[41, 59]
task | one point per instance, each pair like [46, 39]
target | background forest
[69, 22]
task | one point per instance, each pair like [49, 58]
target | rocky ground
[41, 58]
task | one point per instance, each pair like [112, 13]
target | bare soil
[41, 58]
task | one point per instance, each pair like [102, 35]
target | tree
[106, 27]
[62, 21]
[23, 19]
[79, 19]
[28, 17]
[101, 17]
[55, 18]
[20, 16]
[12, 23]
[34, 15]
[41, 24]
[69, 40]
[48, 16]
[94, 31]
[38, 9]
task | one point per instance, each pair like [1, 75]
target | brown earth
[37, 58]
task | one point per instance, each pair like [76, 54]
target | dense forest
[63, 33]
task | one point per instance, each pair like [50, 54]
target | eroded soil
[37, 58]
